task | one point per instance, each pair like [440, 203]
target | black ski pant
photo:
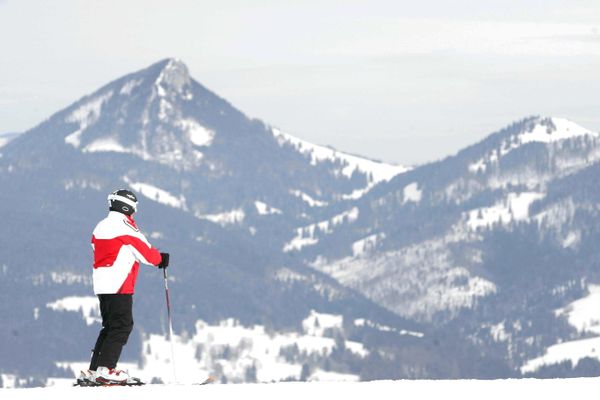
[117, 323]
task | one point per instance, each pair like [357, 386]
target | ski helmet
[123, 201]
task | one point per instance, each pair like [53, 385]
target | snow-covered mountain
[487, 187]
[219, 190]
[465, 267]
[493, 241]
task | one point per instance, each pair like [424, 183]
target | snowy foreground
[580, 388]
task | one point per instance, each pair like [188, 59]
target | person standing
[119, 247]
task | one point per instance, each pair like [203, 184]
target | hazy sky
[391, 80]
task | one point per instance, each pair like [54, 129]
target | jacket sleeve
[141, 248]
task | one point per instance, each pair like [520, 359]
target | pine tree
[250, 374]
[305, 374]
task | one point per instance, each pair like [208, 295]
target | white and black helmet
[123, 201]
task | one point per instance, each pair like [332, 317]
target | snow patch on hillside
[111, 145]
[356, 194]
[376, 171]
[385, 328]
[165, 110]
[74, 139]
[129, 86]
[265, 209]
[86, 305]
[582, 314]
[199, 135]
[70, 278]
[307, 236]
[364, 246]
[156, 194]
[412, 193]
[514, 208]
[70, 184]
[299, 241]
[498, 332]
[416, 281]
[308, 199]
[225, 218]
[572, 239]
[573, 351]
[156, 235]
[85, 115]
[317, 323]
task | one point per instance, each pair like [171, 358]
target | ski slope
[579, 388]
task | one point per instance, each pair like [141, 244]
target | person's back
[119, 247]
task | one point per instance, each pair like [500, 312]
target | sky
[400, 81]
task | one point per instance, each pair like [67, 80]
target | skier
[119, 247]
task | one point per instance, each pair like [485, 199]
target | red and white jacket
[119, 247]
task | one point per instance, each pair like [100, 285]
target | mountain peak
[143, 114]
[552, 129]
[173, 76]
[531, 131]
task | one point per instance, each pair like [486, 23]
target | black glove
[164, 262]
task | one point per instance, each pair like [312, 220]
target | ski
[98, 384]
[137, 382]
[208, 380]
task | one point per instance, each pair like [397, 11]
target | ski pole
[170, 324]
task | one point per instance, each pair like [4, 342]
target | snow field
[514, 208]
[234, 349]
[580, 388]
[227, 350]
[582, 314]
[255, 347]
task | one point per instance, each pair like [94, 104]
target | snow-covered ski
[88, 383]
[132, 382]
